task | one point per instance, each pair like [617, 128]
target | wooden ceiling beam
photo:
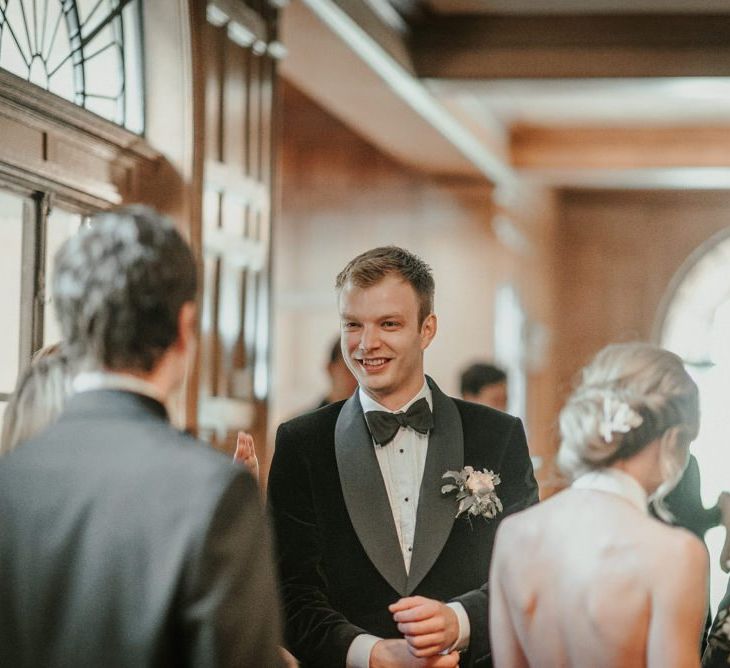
[338, 58]
[572, 46]
[620, 148]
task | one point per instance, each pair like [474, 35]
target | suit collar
[365, 495]
[102, 404]
[109, 380]
[366, 498]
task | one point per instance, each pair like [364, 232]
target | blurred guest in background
[39, 396]
[342, 382]
[485, 384]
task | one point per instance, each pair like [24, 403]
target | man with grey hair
[125, 542]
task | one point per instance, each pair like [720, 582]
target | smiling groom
[376, 569]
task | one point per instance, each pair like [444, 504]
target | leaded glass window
[87, 51]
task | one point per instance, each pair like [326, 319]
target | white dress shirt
[402, 462]
[87, 381]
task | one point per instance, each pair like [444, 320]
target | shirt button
[401, 450]
[406, 499]
[410, 549]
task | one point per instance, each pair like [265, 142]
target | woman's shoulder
[684, 544]
[525, 526]
[674, 550]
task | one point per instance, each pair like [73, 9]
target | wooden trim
[39, 108]
[334, 60]
[234, 182]
[243, 25]
[51, 144]
[32, 268]
[573, 46]
[77, 197]
[620, 147]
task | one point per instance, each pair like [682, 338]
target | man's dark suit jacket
[340, 560]
[685, 503]
[124, 542]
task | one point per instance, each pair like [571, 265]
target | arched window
[695, 323]
[86, 51]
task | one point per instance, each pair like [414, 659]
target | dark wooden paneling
[566, 46]
[238, 150]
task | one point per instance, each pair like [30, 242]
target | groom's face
[382, 340]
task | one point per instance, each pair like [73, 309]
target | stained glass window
[87, 51]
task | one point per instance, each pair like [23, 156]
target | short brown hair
[374, 265]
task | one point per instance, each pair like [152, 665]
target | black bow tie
[384, 426]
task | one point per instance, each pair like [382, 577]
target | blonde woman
[587, 578]
[39, 396]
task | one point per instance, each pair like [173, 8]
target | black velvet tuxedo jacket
[126, 543]
[340, 560]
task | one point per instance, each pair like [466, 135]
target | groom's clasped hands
[429, 628]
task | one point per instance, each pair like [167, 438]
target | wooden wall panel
[234, 365]
[616, 255]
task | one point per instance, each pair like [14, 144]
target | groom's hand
[429, 626]
[396, 654]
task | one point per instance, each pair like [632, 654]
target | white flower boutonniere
[474, 492]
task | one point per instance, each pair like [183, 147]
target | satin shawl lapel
[365, 495]
[436, 512]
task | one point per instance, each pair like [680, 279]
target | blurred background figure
[486, 384]
[39, 396]
[342, 382]
[685, 504]
[245, 454]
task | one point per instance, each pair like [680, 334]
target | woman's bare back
[578, 575]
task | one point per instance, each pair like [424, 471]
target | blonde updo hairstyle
[655, 385]
[39, 397]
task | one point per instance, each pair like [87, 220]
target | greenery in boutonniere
[474, 492]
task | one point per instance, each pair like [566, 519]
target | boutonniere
[474, 492]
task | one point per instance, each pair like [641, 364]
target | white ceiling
[594, 102]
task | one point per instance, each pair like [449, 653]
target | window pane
[61, 226]
[11, 252]
[86, 51]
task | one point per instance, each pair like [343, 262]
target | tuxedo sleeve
[517, 490]
[316, 633]
[230, 606]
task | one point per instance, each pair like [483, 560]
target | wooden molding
[335, 61]
[52, 144]
[617, 148]
[572, 46]
[39, 108]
